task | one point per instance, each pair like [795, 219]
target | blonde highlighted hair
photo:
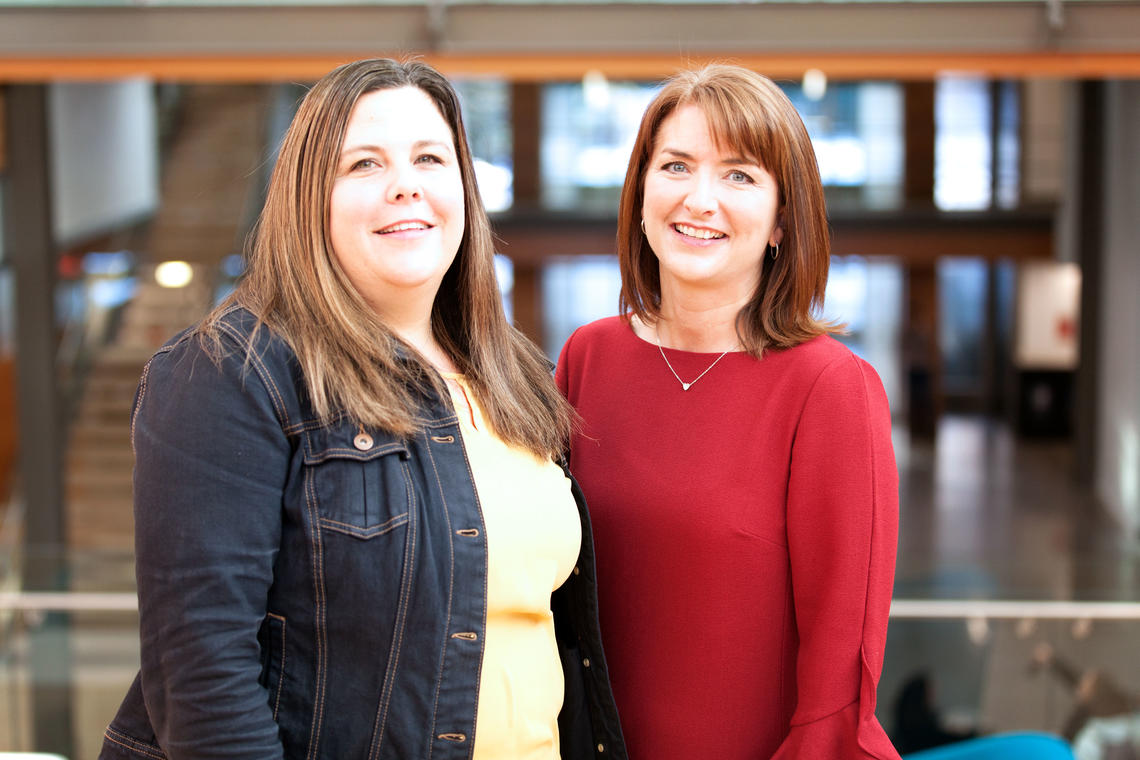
[353, 364]
[750, 115]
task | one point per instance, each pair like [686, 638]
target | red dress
[745, 533]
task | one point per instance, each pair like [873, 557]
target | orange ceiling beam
[545, 67]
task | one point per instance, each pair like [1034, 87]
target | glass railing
[957, 669]
[953, 669]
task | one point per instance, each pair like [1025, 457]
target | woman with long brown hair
[737, 459]
[354, 537]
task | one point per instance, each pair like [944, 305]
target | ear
[777, 235]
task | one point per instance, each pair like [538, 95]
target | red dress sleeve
[842, 523]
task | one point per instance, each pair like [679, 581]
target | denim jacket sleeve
[211, 463]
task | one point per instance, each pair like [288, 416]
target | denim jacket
[311, 590]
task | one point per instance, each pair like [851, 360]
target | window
[486, 107]
[588, 129]
[577, 290]
[857, 131]
[963, 147]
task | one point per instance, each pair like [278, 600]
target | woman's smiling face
[709, 214]
[396, 215]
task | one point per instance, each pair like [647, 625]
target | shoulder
[603, 332]
[602, 338]
[822, 356]
[229, 354]
[605, 329]
[230, 339]
[830, 372]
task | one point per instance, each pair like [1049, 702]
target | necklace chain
[685, 386]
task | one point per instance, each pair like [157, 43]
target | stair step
[81, 458]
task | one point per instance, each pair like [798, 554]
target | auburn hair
[750, 115]
[353, 363]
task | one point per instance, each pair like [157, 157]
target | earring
[642, 226]
[775, 251]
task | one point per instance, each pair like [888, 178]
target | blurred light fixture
[173, 274]
[978, 630]
[814, 84]
[596, 89]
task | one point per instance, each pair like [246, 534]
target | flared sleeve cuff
[852, 733]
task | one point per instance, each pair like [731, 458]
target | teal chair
[1027, 746]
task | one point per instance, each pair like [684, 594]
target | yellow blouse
[533, 538]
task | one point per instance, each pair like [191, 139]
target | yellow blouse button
[362, 442]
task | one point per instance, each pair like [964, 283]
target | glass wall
[866, 295]
[577, 290]
[963, 285]
[588, 129]
[857, 132]
[486, 107]
[977, 144]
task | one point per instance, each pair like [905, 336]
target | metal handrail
[901, 609]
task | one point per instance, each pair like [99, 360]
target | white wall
[104, 155]
[1048, 315]
[1118, 394]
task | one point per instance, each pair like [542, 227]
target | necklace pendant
[685, 386]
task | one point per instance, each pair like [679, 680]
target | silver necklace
[685, 386]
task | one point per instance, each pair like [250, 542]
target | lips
[700, 233]
[403, 227]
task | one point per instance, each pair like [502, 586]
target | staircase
[211, 173]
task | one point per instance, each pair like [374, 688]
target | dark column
[994, 360]
[1089, 195]
[527, 295]
[921, 354]
[526, 138]
[28, 242]
[995, 139]
[918, 166]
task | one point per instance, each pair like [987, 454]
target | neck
[416, 331]
[693, 321]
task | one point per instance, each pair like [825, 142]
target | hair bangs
[734, 127]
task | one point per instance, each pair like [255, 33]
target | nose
[701, 198]
[405, 186]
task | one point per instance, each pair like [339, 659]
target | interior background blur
[982, 167]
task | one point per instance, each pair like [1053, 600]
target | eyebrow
[730, 161]
[416, 146]
[677, 153]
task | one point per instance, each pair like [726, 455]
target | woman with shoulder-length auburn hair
[355, 537]
[737, 458]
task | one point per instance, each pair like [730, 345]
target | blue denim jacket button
[362, 442]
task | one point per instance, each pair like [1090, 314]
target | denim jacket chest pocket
[358, 479]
